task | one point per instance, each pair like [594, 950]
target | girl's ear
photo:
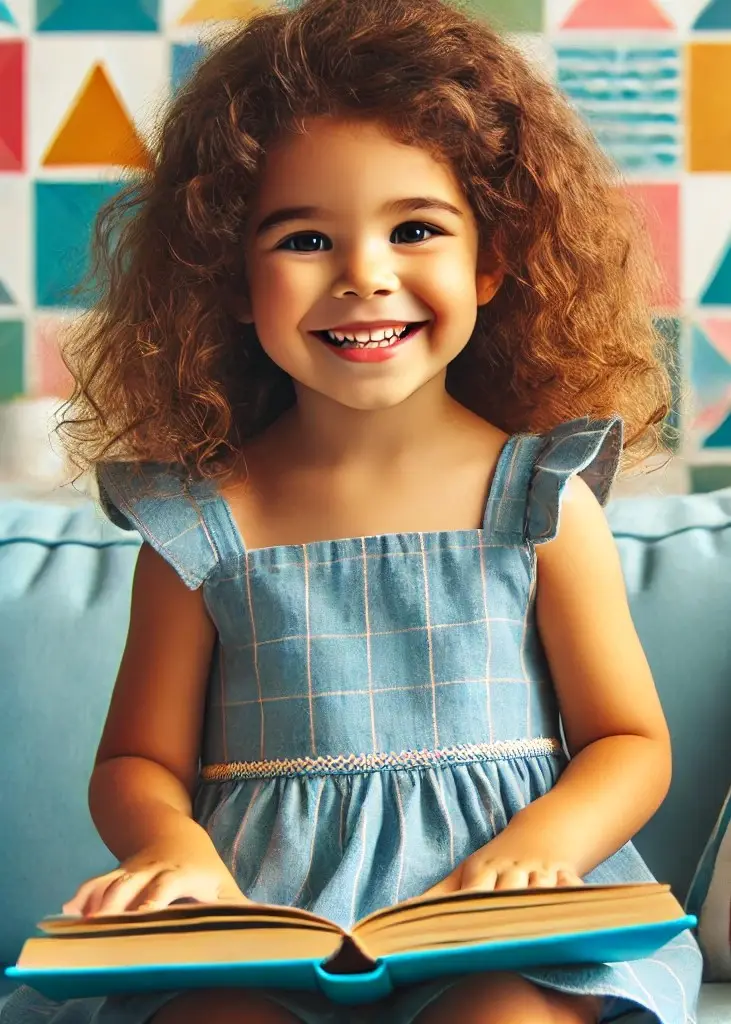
[489, 279]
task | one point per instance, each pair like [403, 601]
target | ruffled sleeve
[525, 499]
[585, 448]
[168, 511]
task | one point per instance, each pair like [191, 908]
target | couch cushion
[65, 577]
[676, 555]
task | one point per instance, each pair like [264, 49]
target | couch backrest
[65, 577]
[676, 555]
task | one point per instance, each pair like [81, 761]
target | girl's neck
[328, 433]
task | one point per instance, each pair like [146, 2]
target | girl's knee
[498, 998]
[222, 1006]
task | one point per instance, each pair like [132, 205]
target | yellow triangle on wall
[222, 10]
[97, 129]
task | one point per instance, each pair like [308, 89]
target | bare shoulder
[583, 530]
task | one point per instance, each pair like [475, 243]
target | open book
[221, 945]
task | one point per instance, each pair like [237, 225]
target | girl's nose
[366, 272]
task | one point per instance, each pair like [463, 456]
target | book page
[188, 915]
[476, 923]
[102, 927]
[257, 944]
[505, 925]
[520, 899]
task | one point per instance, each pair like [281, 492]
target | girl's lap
[495, 998]
[222, 1006]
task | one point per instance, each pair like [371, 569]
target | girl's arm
[614, 725]
[147, 763]
[615, 729]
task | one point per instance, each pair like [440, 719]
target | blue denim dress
[378, 708]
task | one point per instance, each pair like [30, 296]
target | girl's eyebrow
[410, 204]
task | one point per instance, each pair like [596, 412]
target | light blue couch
[65, 578]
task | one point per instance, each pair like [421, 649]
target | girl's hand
[485, 872]
[154, 879]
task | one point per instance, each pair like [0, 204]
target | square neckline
[271, 550]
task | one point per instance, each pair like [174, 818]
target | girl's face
[362, 260]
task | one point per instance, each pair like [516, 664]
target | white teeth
[378, 337]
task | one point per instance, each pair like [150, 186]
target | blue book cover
[221, 946]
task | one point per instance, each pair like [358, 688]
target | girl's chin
[370, 396]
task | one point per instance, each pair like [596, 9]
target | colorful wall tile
[12, 359]
[65, 214]
[716, 17]
[630, 95]
[619, 14]
[185, 56]
[709, 106]
[81, 82]
[511, 15]
[660, 202]
[220, 10]
[12, 77]
[93, 16]
[97, 129]
[49, 378]
[6, 15]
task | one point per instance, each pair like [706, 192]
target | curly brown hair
[165, 372]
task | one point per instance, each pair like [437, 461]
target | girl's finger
[512, 878]
[482, 877]
[164, 888]
[115, 897]
[542, 879]
[565, 878]
[78, 901]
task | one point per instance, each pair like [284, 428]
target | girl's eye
[414, 231]
[306, 241]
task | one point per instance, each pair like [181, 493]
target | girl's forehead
[343, 159]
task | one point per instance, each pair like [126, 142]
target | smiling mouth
[384, 337]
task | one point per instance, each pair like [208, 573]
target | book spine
[353, 989]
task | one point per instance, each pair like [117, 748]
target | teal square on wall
[12, 369]
[97, 15]
[65, 215]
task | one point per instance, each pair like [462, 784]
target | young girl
[370, 330]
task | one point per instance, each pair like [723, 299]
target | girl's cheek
[292, 286]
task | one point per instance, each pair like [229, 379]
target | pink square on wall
[48, 375]
[661, 203]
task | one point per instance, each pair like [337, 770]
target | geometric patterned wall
[80, 81]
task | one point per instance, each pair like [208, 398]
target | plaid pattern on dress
[373, 645]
